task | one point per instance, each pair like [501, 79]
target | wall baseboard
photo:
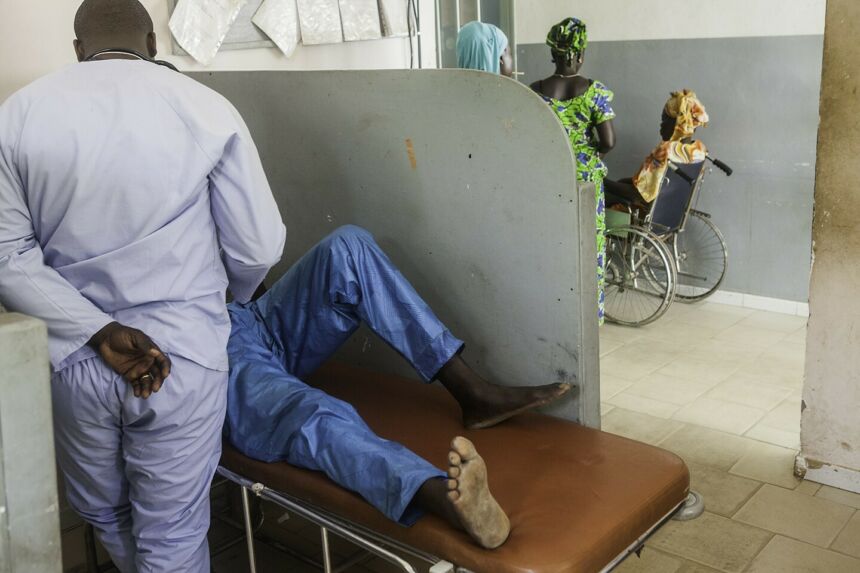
[827, 474]
[760, 302]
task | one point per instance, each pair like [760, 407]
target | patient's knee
[348, 237]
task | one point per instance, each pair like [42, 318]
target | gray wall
[762, 96]
[490, 231]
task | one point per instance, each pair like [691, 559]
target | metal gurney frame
[369, 540]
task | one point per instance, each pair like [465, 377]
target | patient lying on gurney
[682, 114]
[298, 324]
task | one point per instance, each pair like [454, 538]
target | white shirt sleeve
[29, 286]
[250, 229]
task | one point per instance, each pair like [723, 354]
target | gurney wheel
[693, 507]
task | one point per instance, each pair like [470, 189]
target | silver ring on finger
[145, 378]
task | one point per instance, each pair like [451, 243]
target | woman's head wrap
[688, 112]
[480, 46]
[568, 38]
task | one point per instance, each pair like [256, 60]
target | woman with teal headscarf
[583, 106]
[484, 47]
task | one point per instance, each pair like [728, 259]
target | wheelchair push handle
[722, 166]
[681, 173]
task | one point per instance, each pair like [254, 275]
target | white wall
[663, 19]
[36, 38]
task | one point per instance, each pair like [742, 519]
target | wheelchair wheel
[640, 276]
[701, 256]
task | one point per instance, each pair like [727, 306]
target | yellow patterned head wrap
[688, 111]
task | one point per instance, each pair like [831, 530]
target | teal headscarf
[480, 46]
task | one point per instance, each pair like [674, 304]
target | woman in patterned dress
[583, 105]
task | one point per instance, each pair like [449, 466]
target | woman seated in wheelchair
[682, 114]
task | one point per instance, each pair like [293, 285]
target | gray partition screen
[467, 181]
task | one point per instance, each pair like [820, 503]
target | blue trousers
[299, 323]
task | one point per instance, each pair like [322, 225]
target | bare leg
[464, 499]
[485, 404]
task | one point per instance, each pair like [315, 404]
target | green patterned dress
[580, 115]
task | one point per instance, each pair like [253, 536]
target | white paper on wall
[360, 20]
[279, 19]
[394, 15]
[199, 26]
[320, 22]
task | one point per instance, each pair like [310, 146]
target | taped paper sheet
[394, 15]
[200, 26]
[320, 22]
[360, 20]
[279, 20]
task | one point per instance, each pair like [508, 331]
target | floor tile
[692, 567]
[751, 336]
[707, 447]
[768, 463]
[786, 353]
[775, 321]
[784, 417]
[612, 385]
[723, 492]
[669, 389]
[608, 345]
[808, 487]
[784, 555]
[848, 541]
[839, 496]
[771, 373]
[713, 541]
[782, 438]
[807, 518]
[711, 317]
[739, 311]
[623, 334]
[681, 335]
[626, 367]
[650, 354]
[726, 350]
[759, 396]
[720, 415]
[798, 336]
[638, 426]
[651, 561]
[781, 426]
[643, 405]
[695, 367]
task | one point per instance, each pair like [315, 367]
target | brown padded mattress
[576, 497]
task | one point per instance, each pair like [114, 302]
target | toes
[454, 459]
[464, 448]
[454, 471]
[452, 484]
[454, 495]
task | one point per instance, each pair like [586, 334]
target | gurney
[579, 499]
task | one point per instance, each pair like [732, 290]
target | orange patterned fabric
[689, 114]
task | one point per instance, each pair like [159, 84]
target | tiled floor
[721, 387]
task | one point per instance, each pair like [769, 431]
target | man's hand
[132, 355]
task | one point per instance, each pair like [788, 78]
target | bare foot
[501, 402]
[478, 512]
[485, 404]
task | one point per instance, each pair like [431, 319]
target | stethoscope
[134, 53]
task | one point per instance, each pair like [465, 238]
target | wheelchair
[670, 251]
